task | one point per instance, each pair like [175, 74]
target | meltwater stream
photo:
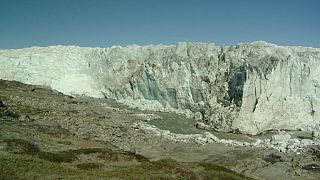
[175, 123]
[179, 124]
[182, 125]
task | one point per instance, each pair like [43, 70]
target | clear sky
[103, 23]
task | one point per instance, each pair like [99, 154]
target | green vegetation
[17, 166]
[23, 159]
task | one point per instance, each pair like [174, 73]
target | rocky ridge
[248, 88]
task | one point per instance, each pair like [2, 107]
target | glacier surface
[248, 88]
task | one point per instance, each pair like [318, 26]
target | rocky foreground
[45, 134]
[249, 88]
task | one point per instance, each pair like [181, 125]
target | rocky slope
[47, 135]
[250, 88]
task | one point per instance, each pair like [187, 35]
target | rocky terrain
[47, 135]
[249, 88]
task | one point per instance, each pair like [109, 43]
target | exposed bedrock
[250, 88]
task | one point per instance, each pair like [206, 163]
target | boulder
[316, 131]
[281, 137]
[210, 136]
[306, 142]
[198, 116]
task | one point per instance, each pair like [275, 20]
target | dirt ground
[96, 138]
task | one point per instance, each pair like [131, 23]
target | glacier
[248, 88]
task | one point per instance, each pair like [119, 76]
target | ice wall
[249, 88]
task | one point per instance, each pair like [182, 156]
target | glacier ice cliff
[248, 88]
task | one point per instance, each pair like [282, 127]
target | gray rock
[316, 131]
[281, 137]
[198, 116]
[201, 125]
[306, 142]
[208, 135]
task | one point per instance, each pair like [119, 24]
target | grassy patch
[52, 131]
[90, 166]
[22, 146]
[218, 172]
[18, 166]
[29, 110]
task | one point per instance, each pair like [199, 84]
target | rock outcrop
[250, 88]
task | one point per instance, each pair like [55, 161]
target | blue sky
[103, 23]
